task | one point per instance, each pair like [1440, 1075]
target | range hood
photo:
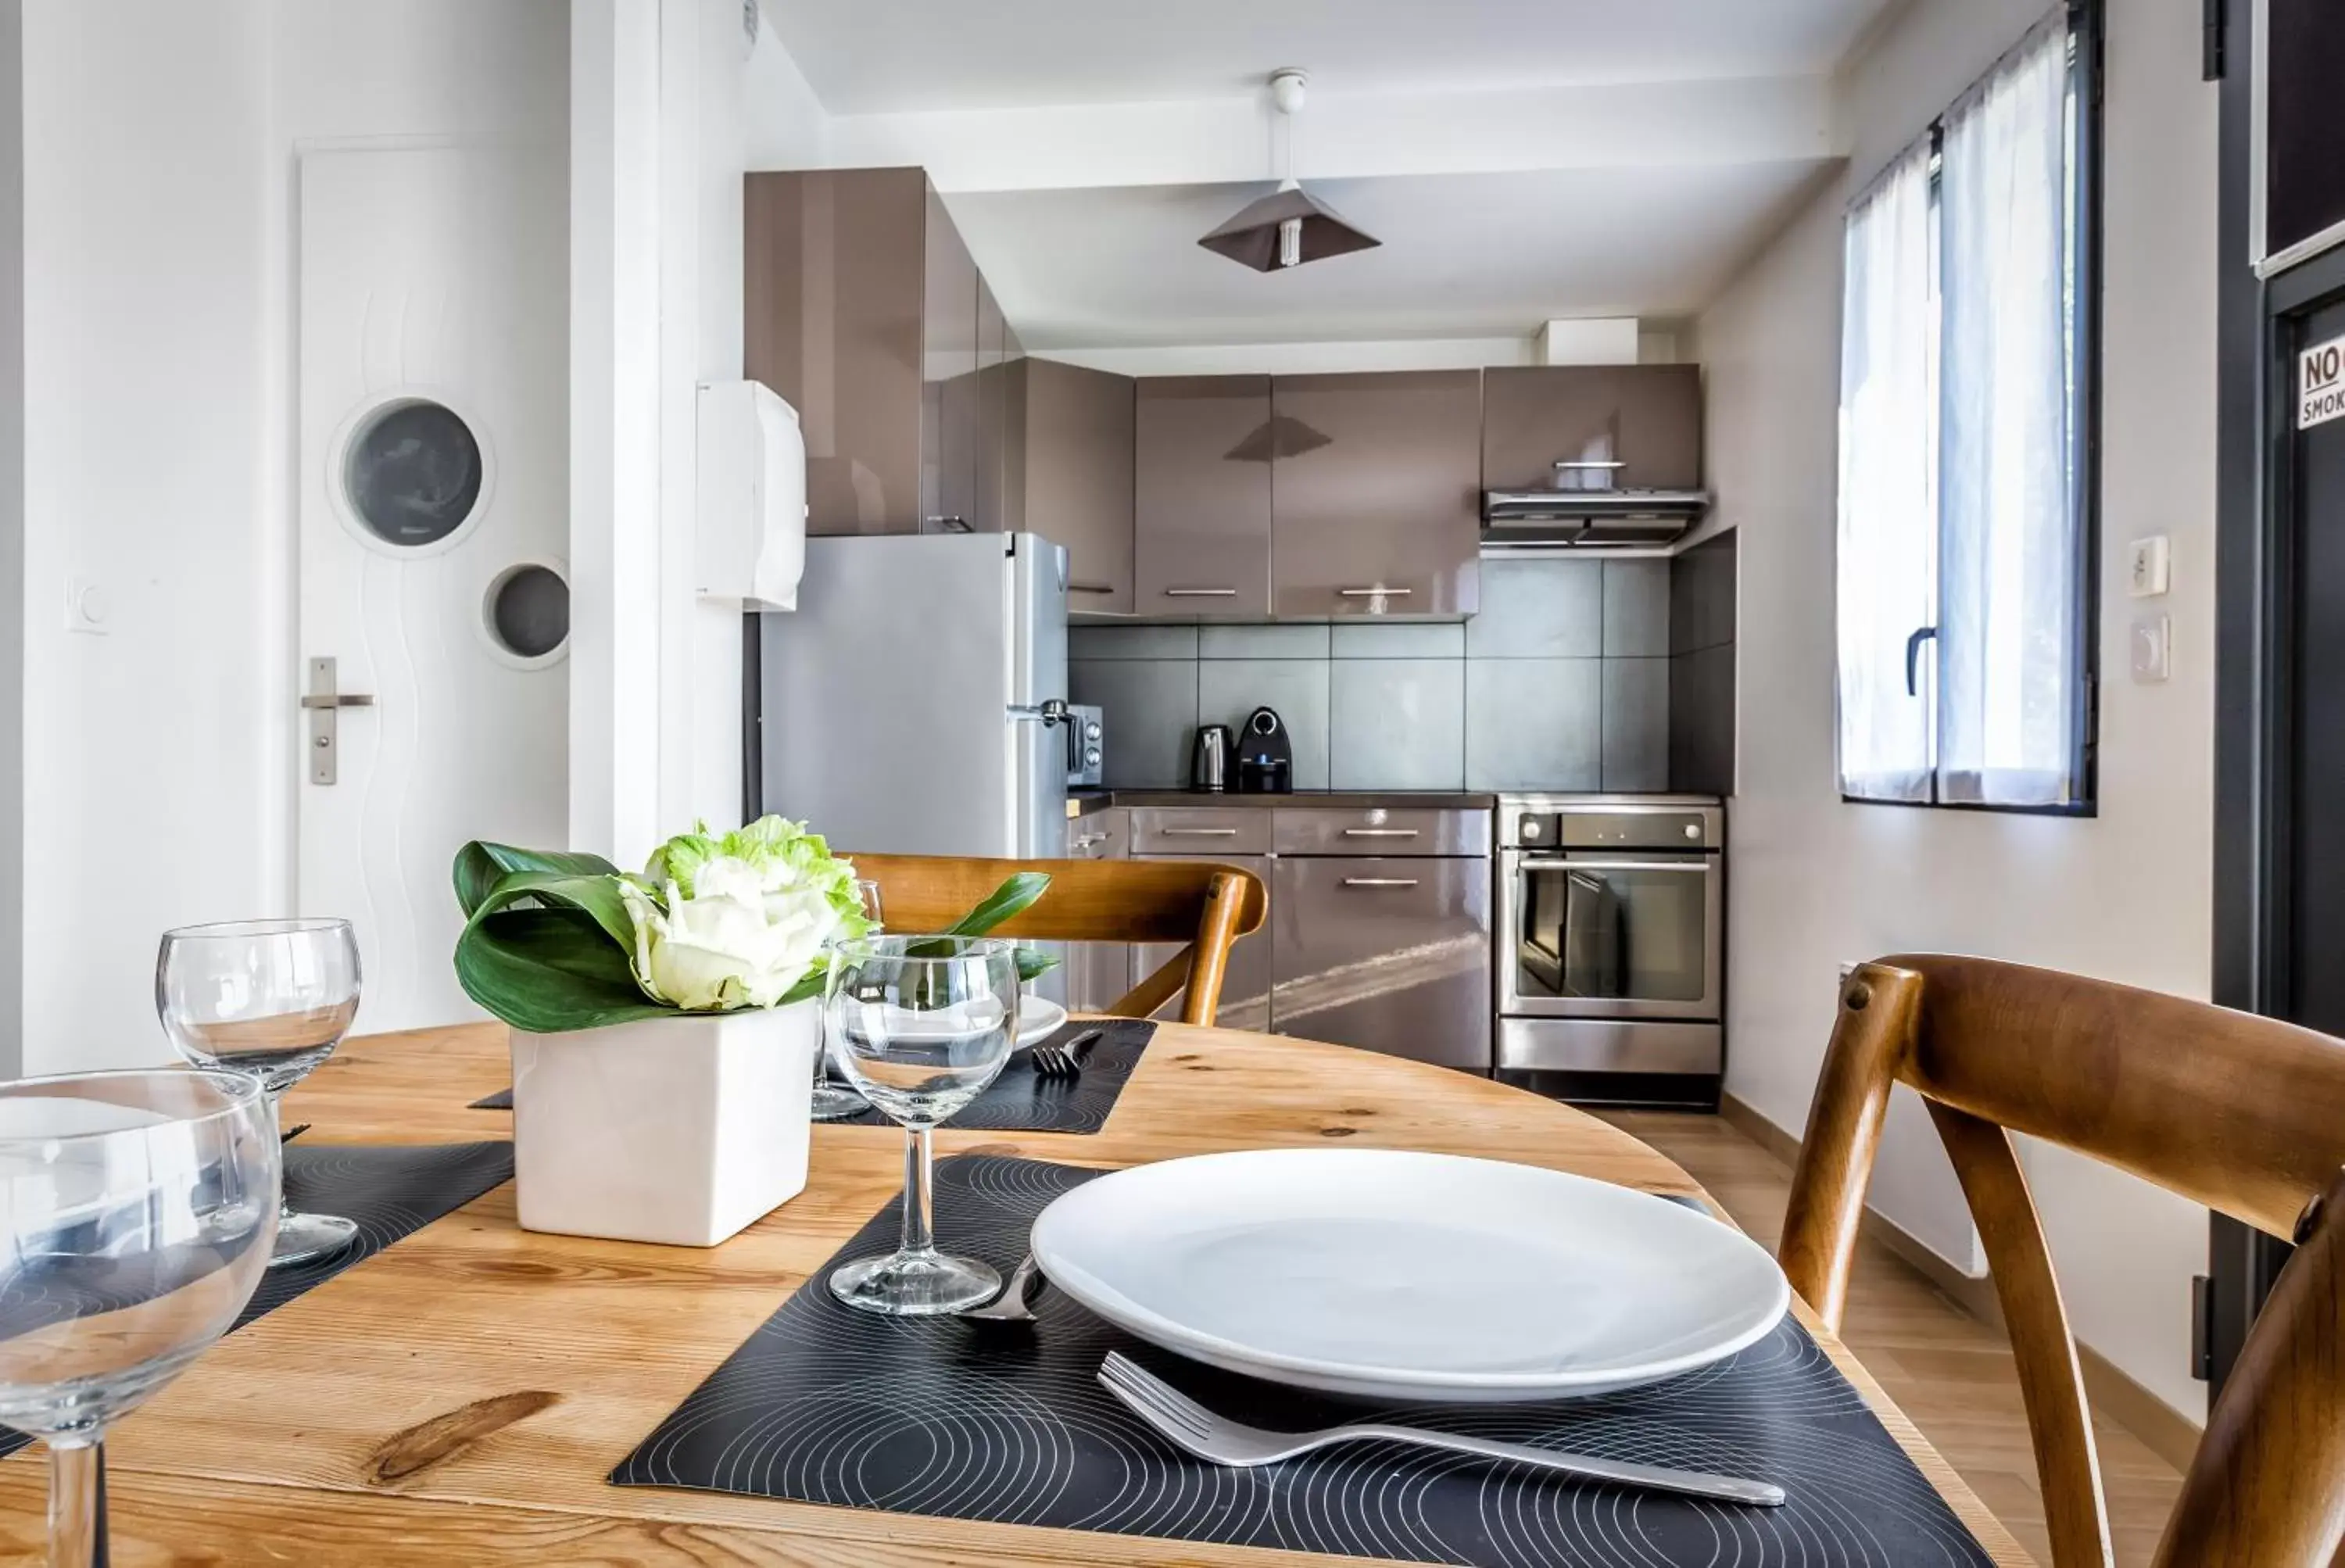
[1588, 519]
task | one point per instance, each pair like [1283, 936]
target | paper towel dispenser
[753, 505]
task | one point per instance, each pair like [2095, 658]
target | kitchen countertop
[1083, 802]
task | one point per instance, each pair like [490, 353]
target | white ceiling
[1463, 255]
[1521, 160]
[862, 56]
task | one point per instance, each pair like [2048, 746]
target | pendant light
[1290, 226]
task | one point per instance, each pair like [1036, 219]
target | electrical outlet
[2148, 569]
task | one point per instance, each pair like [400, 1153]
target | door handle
[1913, 657]
[1380, 881]
[322, 704]
[1380, 832]
[1049, 711]
[1201, 593]
[1375, 593]
[1199, 832]
[1091, 587]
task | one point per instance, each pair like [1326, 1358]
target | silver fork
[1193, 1427]
[1065, 1060]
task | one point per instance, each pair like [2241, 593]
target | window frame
[2087, 33]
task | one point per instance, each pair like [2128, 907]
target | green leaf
[1011, 898]
[480, 865]
[551, 970]
[596, 895]
[1034, 963]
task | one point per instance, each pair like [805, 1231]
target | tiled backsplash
[1561, 682]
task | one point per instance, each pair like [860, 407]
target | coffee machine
[1266, 755]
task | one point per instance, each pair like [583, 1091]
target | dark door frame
[2255, 646]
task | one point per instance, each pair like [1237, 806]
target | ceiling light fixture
[1290, 226]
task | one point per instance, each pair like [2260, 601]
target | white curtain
[1886, 585]
[2008, 619]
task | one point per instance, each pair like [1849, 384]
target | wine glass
[137, 1210]
[834, 1100]
[921, 1024]
[271, 997]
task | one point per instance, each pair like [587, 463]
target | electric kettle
[1209, 760]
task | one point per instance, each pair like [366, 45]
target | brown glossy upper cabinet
[1204, 446]
[862, 311]
[1641, 424]
[1376, 493]
[1069, 464]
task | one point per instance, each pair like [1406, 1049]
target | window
[1966, 537]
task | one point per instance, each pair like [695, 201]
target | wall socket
[2148, 569]
[2152, 646]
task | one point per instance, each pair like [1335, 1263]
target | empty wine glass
[136, 1210]
[271, 997]
[833, 1099]
[921, 1024]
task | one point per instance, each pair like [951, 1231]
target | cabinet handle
[1091, 587]
[1199, 832]
[948, 524]
[1380, 881]
[1201, 593]
[1604, 462]
[1376, 593]
[1380, 832]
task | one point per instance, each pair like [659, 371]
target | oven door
[1617, 936]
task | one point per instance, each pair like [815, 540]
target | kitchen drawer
[1100, 836]
[1245, 984]
[1212, 832]
[1380, 830]
[1390, 955]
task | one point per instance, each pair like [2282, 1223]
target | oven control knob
[1530, 828]
[1091, 731]
[1092, 757]
[1693, 829]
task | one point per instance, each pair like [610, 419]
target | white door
[433, 494]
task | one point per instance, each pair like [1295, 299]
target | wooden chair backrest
[2242, 1113]
[1206, 906]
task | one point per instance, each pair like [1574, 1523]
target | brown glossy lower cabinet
[1387, 954]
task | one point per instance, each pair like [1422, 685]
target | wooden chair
[1207, 907]
[2244, 1115]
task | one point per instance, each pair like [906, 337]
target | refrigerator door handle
[1051, 710]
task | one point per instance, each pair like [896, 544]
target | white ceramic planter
[675, 1130]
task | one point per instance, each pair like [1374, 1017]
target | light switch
[2149, 572]
[2153, 649]
[87, 607]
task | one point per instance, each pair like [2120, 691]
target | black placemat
[1007, 1422]
[499, 1101]
[1022, 1101]
[391, 1190]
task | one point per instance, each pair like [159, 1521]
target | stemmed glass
[136, 1210]
[833, 1100]
[271, 997]
[921, 1024]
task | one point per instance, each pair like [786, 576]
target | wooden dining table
[460, 1397]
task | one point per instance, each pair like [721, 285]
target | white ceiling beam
[1340, 135]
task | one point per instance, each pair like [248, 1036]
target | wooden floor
[1949, 1371]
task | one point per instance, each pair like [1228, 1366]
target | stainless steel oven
[1610, 930]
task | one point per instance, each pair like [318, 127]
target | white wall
[2125, 895]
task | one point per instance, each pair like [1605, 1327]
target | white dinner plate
[1394, 1274]
[1039, 1018]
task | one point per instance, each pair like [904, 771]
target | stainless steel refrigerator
[910, 703]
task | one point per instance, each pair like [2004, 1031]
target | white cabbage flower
[740, 920]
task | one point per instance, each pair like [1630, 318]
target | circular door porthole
[525, 613]
[413, 475]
